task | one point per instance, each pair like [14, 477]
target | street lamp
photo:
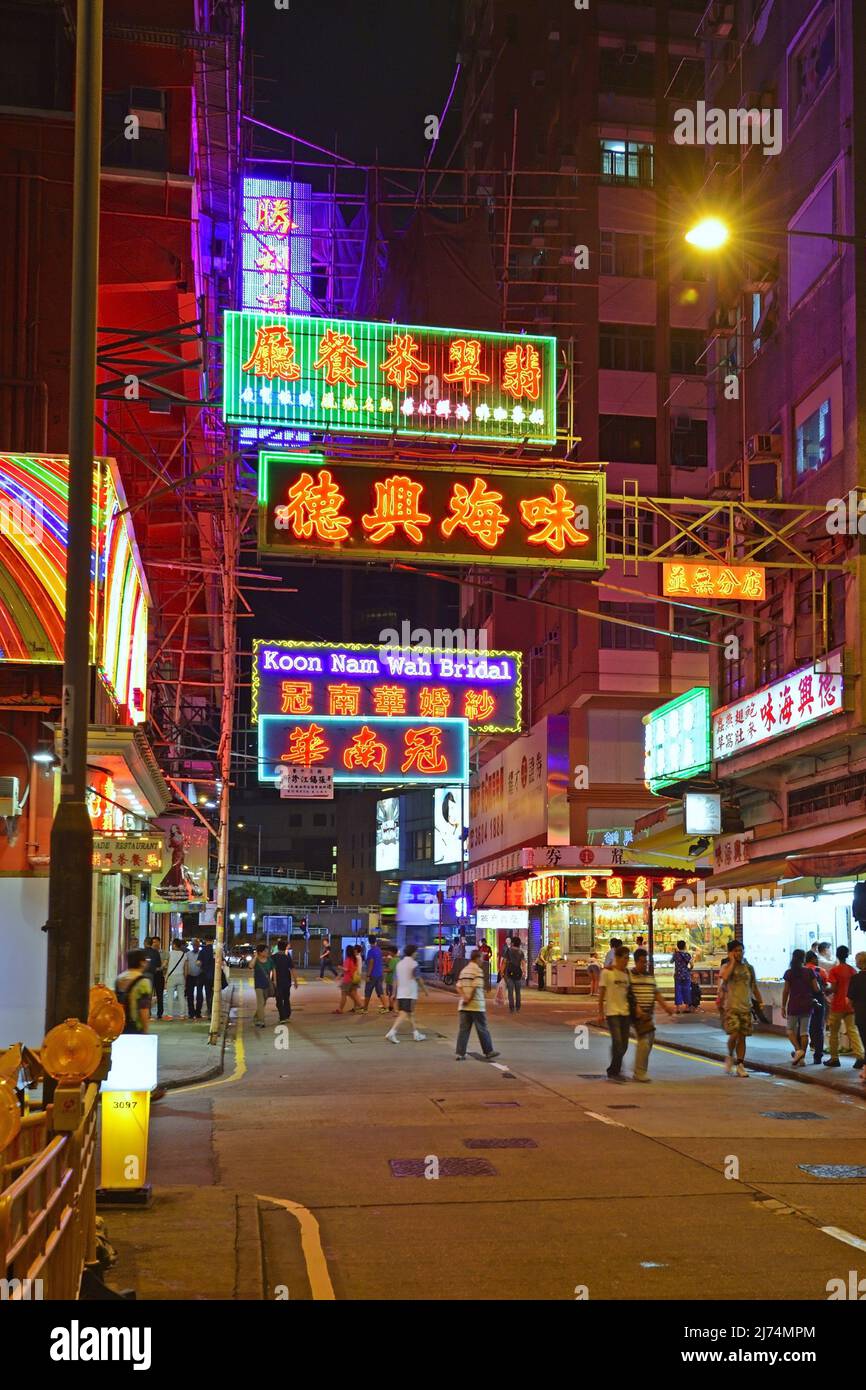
[710, 234]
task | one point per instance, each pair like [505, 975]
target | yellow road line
[689, 1056]
[240, 1065]
[314, 1256]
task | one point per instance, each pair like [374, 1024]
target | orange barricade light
[71, 1052]
[10, 1114]
[106, 1014]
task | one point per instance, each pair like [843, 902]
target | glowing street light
[710, 234]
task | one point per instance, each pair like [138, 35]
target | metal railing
[48, 1211]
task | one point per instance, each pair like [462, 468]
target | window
[805, 623]
[621, 532]
[811, 63]
[627, 347]
[627, 438]
[769, 643]
[732, 675]
[319, 818]
[628, 70]
[295, 820]
[693, 265]
[625, 161]
[687, 83]
[36, 58]
[150, 148]
[686, 621]
[628, 639]
[814, 440]
[422, 844]
[688, 443]
[688, 349]
[627, 253]
[809, 256]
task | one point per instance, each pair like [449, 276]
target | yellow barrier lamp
[10, 1114]
[107, 1018]
[126, 1119]
[70, 1053]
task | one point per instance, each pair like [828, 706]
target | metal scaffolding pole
[70, 886]
[231, 544]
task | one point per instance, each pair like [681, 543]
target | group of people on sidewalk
[184, 979]
[628, 997]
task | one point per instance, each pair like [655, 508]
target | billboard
[310, 505]
[182, 884]
[123, 616]
[387, 834]
[449, 828]
[785, 707]
[677, 739]
[363, 679]
[521, 795]
[418, 902]
[388, 750]
[354, 376]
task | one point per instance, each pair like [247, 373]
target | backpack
[131, 1025]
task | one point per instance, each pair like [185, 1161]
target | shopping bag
[499, 997]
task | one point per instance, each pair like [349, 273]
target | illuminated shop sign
[590, 887]
[276, 245]
[789, 704]
[386, 750]
[298, 678]
[449, 828]
[677, 739]
[182, 885]
[687, 579]
[127, 854]
[34, 527]
[387, 834]
[310, 505]
[352, 376]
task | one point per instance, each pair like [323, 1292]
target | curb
[249, 1249]
[208, 1073]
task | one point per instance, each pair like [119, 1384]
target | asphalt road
[684, 1189]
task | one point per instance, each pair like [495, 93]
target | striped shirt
[643, 988]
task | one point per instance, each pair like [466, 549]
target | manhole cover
[833, 1170]
[448, 1168]
[791, 1115]
[500, 1144]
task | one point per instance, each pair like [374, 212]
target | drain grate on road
[591, 1075]
[499, 1104]
[448, 1168]
[622, 1107]
[833, 1170]
[500, 1144]
[791, 1115]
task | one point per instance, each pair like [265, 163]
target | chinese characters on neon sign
[314, 678]
[392, 749]
[276, 245]
[361, 510]
[781, 708]
[354, 376]
[682, 579]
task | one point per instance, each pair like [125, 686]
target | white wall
[23, 951]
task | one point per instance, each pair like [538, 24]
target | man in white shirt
[408, 979]
[615, 1009]
[473, 1009]
[615, 943]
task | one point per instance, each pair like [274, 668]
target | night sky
[358, 76]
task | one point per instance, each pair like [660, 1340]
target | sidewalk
[185, 1055]
[700, 1033]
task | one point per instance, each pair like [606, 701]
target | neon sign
[394, 749]
[677, 739]
[359, 510]
[276, 245]
[123, 647]
[784, 707]
[689, 580]
[353, 376]
[356, 679]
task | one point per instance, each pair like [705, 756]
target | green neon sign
[677, 739]
[352, 376]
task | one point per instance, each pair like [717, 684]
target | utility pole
[70, 884]
[231, 546]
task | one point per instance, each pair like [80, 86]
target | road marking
[239, 1071]
[605, 1119]
[688, 1056]
[845, 1236]
[311, 1243]
[498, 1065]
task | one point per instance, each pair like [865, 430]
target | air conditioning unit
[723, 321]
[727, 482]
[764, 478]
[629, 54]
[10, 804]
[681, 424]
[763, 446]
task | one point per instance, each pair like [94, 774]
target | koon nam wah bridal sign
[452, 515]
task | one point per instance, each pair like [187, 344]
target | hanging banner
[353, 376]
[182, 885]
[355, 678]
[311, 505]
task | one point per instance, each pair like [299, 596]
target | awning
[837, 860]
[758, 874]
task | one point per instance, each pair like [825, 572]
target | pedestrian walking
[375, 982]
[350, 981]
[155, 969]
[472, 1009]
[174, 982]
[818, 1019]
[511, 966]
[134, 990]
[325, 959]
[391, 959]
[682, 963]
[458, 959]
[193, 980]
[857, 999]
[207, 961]
[800, 993]
[615, 943]
[262, 982]
[486, 951]
[739, 996]
[644, 994]
[285, 979]
[408, 981]
[841, 1010]
[614, 1009]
